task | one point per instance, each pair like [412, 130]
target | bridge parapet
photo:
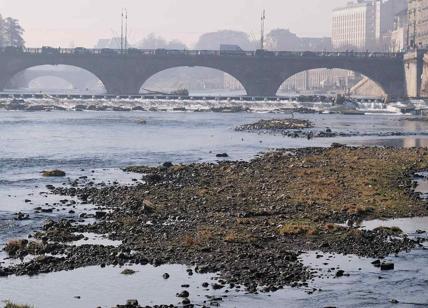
[193, 53]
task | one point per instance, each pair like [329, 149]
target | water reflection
[396, 142]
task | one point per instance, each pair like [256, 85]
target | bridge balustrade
[165, 52]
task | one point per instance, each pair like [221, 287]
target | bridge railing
[166, 52]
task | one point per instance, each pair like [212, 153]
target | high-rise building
[399, 36]
[418, 24]
[353, 27]
[365, 24]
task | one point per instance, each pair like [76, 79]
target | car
[108, 52]
[308, 54]
[175, 52]
[161, 51]
[264, 53]
[81, 51]
[134, 51]
[50, 50]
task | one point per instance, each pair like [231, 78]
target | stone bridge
[261, 73]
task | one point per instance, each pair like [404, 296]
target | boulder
[53, 173]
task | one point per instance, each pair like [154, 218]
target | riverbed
[97, 144]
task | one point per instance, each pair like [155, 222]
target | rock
[54, 173]
[387, 266]
[186, 301]
[165, 276]
[376, 263]
[222, 155]
[100, 214]
[132, 303]
[340, 273]
[167, 164]
[183, 294]
[217, 286]
[128, 272]
[22, 216]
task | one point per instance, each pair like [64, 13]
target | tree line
[11, 32]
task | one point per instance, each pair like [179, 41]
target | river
[98, 144]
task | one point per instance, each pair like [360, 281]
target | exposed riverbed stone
[276, 124]
[54, 173]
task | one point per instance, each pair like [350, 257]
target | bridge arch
[333, 80]
[197, 79]
[387, 72]
[69, 78]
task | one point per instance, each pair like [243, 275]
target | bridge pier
[413, 67]
[116, 86]
[261, 88]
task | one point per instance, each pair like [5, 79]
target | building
[320, 81]
[365, 24]
[418, 24]
[399, 35]
[284, 39]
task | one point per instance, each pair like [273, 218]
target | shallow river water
[98, 144]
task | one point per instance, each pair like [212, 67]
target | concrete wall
[367, 87]
[413, 72]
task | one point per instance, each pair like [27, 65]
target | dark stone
[100, 214]
[376, 263]
[54, 173]
[168, 164]
[132, 302]
[222, 155]
[340, 273]
[387, 266]
[217, 286]
[183, 294]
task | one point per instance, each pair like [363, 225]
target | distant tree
[176, 44]
[152, 41]
[13, 33]
[282, 39]
[112, 43]
[213, 40]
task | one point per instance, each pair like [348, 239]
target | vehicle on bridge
[50, 50]
[264, 53]
[109, 52]
[161, 52]
[134, 51]
[231, 50]
[81, 51]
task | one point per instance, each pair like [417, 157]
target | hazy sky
[82, 22]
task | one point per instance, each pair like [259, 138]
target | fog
[83, 22]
